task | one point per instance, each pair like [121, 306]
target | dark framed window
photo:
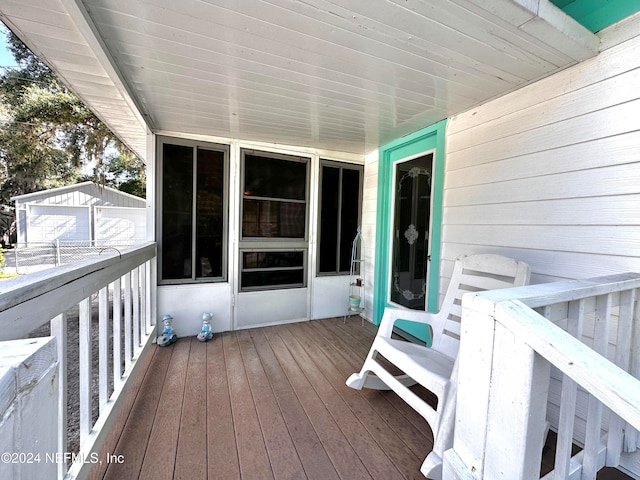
[273, 221]
[274, 200]
[339, 216]
[193, 220]
[272, 269]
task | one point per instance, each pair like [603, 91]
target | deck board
[337, 446]
[285, 462]
[277, 407]
[415, 436]
[192, 437]
[329, 387]
[222, 452]
[388, 443]
[160, 456]
[315, 460]
[135, 418]
[252, 452]
[266, 403]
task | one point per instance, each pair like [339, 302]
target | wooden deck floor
[267, 403]
[264, 403]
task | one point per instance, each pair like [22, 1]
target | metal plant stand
[356, 278]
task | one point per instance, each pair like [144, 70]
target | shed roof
[33, 196]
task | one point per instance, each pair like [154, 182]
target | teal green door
[409, 224]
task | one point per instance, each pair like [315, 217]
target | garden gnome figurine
[168, 335]
[206, 333]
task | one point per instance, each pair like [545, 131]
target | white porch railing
[124, 285]
[565, 362]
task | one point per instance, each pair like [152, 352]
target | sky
[6, 59]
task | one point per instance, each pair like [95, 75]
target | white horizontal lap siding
[550, 174]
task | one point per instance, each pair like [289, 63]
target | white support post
[593, 445]
[117, 333]
[153, 291]
[135, 280]
[517, 409]
[564, 443]
[58, 327]
[103, 346]
[632, 434]
[502, 395]
[143, 300]
[58, 256]
[84, 339]
[128, 324]
[147, 296]
[620, 433]
[474, 375]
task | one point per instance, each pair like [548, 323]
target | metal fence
[29, 257]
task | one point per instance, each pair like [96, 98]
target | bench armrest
[391, 315]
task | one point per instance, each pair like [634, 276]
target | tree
[47, 134]
[121, 171]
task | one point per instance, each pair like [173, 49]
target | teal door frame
[425, 140]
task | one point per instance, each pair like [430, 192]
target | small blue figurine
[206, 334]
[168, 335]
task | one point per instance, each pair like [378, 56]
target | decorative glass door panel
[410, 235]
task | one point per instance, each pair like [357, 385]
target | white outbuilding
[84, 212]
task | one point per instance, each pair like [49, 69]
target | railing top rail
[612, 386]
[544, 294]
[30, 301]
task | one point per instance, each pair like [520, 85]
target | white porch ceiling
[345, 75]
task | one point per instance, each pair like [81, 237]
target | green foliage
[123, 171]
[47, 134]
[127, 173]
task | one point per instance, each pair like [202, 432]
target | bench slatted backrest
[473, 273]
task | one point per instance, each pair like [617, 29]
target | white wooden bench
[435, 368]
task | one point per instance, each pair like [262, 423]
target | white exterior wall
[323, 297]
[369, 212]
[550, 174]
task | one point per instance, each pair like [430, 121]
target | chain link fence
[30, 257]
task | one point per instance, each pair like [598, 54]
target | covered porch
[271, 402]
[265, 403]
[527, 126]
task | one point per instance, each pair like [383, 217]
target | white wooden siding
[550, 174]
